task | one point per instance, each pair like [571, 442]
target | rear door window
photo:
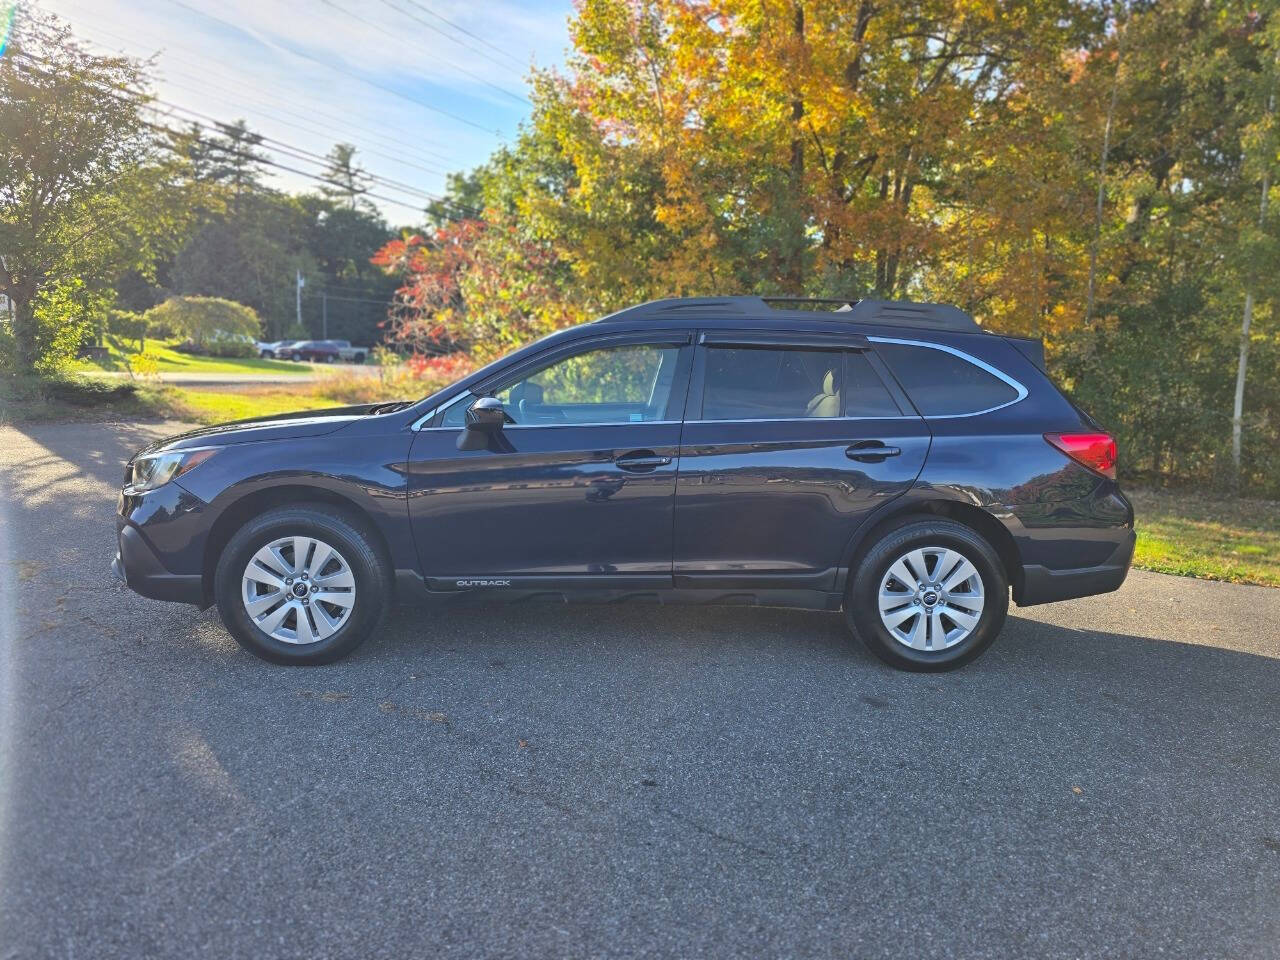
[780, 383]
[942, 384]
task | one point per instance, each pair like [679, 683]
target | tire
[297, 357]
[945, 643]
[358, 358]
[347, 609]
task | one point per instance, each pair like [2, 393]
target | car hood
[280, 426]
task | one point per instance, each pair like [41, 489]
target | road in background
[622, 781]
[317, 372]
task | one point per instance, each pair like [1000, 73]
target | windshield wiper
[391, 407]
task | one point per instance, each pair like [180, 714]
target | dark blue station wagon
[891, 460]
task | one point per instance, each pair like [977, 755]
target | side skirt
[413, 588]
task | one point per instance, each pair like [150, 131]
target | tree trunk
[25, 333]
[1242, 366]
[795, 265]
[1102, 179]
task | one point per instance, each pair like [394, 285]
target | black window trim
[1018, 387]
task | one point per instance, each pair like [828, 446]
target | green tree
[83, 193]
[251, 255]
[204, 319]
[345, 182]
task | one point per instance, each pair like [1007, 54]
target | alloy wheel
[931, 598]
[298, 590]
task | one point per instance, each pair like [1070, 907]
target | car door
[576, 490]
[790, 441]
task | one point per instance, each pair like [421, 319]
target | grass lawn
[84, 399]
[1214, 537]
[219, 406]
[170, 360]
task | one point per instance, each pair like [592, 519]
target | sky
[421, 87]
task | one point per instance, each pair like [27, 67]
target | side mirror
[484, 420]
[486, 415]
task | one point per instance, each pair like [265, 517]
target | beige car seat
[827, 403]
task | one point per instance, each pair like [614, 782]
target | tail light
[1097, 451]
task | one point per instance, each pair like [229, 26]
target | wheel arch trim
[291, 492]
[982, 520]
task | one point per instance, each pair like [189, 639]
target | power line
[312, 127]
[330, 296]
[448, 63]
[462, 43]
[144, 101]
[336, 69]
[298, 153]
[139, 99]
[461, 29]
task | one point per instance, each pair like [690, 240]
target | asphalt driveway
[617, 781]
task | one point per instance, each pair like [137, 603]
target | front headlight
[157, 469]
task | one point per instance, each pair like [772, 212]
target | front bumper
[1043, 585]
[142, 572]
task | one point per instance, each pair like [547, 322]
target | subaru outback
[890, 460]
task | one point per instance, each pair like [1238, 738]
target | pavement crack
[217, 841]
[716, 834]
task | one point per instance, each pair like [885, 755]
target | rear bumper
[1042, 585]
[142, 572]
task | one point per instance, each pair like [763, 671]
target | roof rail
[905, 313]
[688, 306]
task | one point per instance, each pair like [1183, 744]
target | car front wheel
[301, 585]
[930, 595]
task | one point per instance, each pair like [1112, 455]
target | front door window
[631, 383]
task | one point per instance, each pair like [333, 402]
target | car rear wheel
[301, 585]
[930, 595]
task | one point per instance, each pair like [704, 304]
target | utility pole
[324, 316]
[298, 296]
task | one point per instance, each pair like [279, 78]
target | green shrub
[87, 391]
[232, 348]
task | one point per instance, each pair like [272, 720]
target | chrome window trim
[430, 414]
[594, 423]
[1022, 391]
[807, 419]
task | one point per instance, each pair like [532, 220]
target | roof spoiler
[1030, 347]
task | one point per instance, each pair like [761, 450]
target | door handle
[638, 461]
[871, 451]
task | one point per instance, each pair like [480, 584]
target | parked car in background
[892, 460]
[348, 353]
[315, 351]
[269, 350]
[219, 343]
